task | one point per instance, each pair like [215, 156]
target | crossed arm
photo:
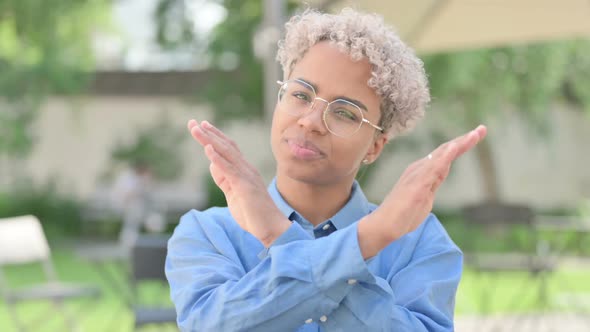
[302, 279]
[405, 207]
[212, 290]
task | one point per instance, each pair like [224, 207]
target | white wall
[545, 172]
[75, 139]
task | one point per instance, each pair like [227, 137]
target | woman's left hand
[247, 197]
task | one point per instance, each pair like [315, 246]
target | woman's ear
[376, 148]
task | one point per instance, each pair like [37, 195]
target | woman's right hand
[247, 196]
[411, 199]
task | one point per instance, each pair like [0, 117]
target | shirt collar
[356, 207]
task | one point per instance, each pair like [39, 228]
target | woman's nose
[312, 120]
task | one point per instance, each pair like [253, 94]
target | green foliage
[530, 77]
[242, 96]
[156, 147]
[44, 48]
[477, 85]
[578, 75]
[56, 211]
[172, 30]
[472, 238]
[215, 196]
[583, 209]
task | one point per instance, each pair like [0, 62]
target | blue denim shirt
[311, 278]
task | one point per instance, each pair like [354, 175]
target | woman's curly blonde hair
[397, 74]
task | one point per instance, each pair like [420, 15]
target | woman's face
[302, 145]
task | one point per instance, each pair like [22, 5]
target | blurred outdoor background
[94, 100]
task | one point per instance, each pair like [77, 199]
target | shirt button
[326, 226]
[323, 319]
[351, 281]
[309, 321]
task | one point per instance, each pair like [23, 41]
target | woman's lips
[304, 149]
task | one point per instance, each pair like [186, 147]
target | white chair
[22, 241]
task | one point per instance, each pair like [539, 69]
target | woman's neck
[315, 202]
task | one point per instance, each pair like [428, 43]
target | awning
[444, 25]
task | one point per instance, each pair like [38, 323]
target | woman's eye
[302, 96]
[345, 114]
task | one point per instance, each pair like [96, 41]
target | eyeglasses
[341, 117]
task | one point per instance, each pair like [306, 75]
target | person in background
[309, 252]
[133, 197]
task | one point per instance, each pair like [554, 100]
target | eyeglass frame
[328, 103]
